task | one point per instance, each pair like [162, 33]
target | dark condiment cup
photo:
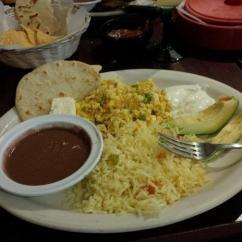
[128, 32]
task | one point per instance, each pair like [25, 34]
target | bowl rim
[41, 122]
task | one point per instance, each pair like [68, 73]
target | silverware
[194, 150]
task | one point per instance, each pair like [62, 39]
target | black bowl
[131, 30]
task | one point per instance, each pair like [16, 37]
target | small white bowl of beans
[48, 154]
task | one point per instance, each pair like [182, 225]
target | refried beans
[47, 155]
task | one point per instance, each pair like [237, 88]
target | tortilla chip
[13, 37]
[38, 37]
[43, 38]
[36, 90]
[31, 34]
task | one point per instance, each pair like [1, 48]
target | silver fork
[194, 150]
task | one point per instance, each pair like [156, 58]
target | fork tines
[184, 148]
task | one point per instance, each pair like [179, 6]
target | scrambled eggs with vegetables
[135, 174]
[114, 104]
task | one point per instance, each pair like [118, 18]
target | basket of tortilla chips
[35, 32]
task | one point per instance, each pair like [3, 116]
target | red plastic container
[220, 12]
[209, 35]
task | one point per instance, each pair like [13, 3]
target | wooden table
[217, 224]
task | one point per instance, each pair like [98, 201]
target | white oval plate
[224, 184]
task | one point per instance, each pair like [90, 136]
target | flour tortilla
[36, 90]
[37, 15]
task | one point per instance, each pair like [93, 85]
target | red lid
[225, 12]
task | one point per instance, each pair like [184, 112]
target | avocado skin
[208, 121]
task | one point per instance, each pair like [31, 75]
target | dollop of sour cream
[188, 99]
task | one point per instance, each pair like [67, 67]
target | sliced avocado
[209, 120]
[232, 131]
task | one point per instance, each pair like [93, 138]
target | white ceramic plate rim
[224, 184]
[88, 2]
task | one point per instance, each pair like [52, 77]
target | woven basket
[35, 56]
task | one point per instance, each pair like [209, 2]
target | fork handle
[229, 146]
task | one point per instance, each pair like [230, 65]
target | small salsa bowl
[14, 136]
[131, 30]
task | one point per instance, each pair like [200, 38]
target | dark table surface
[217, 224]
